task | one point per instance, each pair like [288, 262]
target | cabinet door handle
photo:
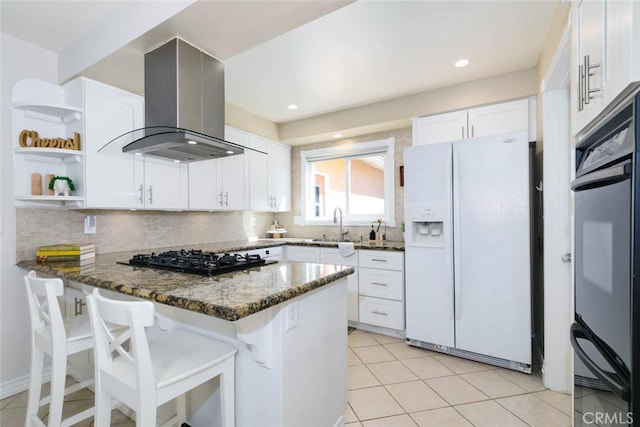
[381, 313]
[150, 195]
[587, 69]
[141, 194]
[580, 87]
[462, 136]
[379, 284]
[220, 195]
[472, 131]
[226, 198]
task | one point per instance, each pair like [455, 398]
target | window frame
[382, 146]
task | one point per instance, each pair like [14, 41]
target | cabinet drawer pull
[226, 198]
[150, 194]
[381, 313]
[379, 284]
[378, 260]
[78, 304]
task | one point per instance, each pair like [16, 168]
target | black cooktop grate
[198, 262]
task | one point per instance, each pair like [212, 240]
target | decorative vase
[61, 187]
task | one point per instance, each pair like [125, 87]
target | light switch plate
[90, 224]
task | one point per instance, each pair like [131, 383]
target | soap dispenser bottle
[372, 234]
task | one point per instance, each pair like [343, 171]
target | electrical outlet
[292, 315]
[90, 225]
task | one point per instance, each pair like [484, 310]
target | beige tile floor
[391, 384]
[12, 409]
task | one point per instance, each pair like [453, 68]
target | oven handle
[601, 178]
[617, 381]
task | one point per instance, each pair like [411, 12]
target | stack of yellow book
[72, 255]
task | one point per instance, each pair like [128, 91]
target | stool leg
[227, 393]
[58, 377]
[145, 415]
[103, 407]
[181, 409]
[35, 384]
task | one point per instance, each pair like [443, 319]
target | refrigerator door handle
[617, 381]
[456, 239]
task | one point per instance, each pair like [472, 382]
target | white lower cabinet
[375, 291]
[303, 253]
[382, 312]
[381, 288]
[333, 256]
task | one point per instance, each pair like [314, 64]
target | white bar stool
[57, 337]
[156, 367]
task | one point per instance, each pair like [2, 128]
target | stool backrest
[127, 344]
[44, 310]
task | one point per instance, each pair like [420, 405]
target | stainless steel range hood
[184, 107]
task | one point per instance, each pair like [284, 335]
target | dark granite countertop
[229, 296]
[385, 245]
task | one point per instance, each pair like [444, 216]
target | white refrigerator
[467, 248]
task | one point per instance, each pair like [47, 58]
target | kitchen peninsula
[288, 321]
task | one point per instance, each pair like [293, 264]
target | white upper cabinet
[115, 179]
[604, 55]
[111, 176]
[202, 185]
[258, 174]
[166, 184]
[279, 177]
[481, 121]
[499, 118]
[440, 128]
[268, 172]
[622, 51]
[220, 184]
[587, 60]
[41, 111]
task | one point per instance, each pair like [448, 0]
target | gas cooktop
[198, 261]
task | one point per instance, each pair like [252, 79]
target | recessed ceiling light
[337, 135]
[192, 142]
[461, 63]
[137, 154]
[292, 107]
[229, 152]
[176, 161]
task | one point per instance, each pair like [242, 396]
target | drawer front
[381, 283]
[269, 253]
[303, 254]
[332, 256]
[386, 260]
[382, 312]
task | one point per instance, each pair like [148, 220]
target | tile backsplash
[134, 230]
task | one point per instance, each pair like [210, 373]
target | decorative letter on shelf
[30, 138]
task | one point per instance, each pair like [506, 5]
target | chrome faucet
[341, 231]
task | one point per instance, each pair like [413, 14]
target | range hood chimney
[184, 107]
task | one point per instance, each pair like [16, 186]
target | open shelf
[50, 201]
[57, 112]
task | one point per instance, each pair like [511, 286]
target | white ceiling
[324, 56]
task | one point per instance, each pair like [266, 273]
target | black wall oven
[606, 332]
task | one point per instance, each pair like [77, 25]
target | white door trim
[557, 211]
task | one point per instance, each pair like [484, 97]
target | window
[356, 178]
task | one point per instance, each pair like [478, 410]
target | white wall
[18, 60]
